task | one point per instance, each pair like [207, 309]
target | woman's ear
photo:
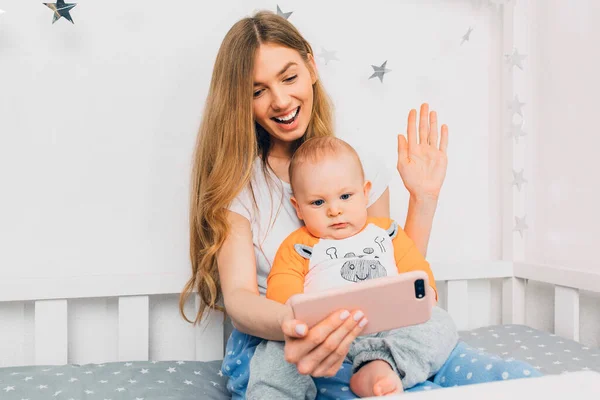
[314, 73]
[295, 204]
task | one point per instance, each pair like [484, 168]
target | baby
[340, 245]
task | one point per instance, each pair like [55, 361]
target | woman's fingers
[411, 128]
[331, 344]
[444, 139]
[297, 349]
[331, 365]
[402, 148]
[294, 328]
[433, 131]
[424, 123]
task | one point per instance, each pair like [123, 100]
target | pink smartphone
[388, 302]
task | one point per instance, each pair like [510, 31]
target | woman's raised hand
[321, 350]
[422, 164]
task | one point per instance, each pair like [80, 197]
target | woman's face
[283, 93]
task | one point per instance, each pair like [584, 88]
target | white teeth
[289, 116]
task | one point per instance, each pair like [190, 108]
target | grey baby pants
[415, 353]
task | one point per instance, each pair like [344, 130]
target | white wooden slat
[513, 301]
[458, 303]
[133, 328]
[566, 312]
[51, 341]
[209, 335]
[480, 303]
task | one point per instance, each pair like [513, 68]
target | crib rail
[568, 282]
[475, 294]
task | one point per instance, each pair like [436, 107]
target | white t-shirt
[275, 217]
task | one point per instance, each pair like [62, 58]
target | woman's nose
[280, 100]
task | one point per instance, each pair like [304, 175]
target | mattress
[183, 380]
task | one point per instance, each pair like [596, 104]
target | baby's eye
[317, 203]
[345, 196]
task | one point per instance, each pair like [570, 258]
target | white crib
[124, 318]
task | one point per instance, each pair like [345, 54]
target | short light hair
[315, 149]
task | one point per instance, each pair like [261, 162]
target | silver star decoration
[466, 36]
[282, 14]
[516, 131]
[515, 59]
[328, 55]
[515, 106]
[518, 179]
[61, 9]
[520, 225]
[380, 71]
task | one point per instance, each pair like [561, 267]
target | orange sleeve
[289, 269]
[407, 256]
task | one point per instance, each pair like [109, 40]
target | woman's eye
[291, 78]
[345, 196]
[257, 93]
[318, 202]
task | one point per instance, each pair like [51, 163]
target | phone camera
[420, 288]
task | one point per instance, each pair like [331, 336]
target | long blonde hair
[229, 141]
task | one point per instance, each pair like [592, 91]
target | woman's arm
[419, 221]
[250, 313]
[319, 351]
[422, 164]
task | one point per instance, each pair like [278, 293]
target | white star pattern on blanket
[192, 380]
[115, 381]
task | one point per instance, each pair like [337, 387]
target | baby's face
[331, 196]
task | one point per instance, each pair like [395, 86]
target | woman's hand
[321, 350]
[422, 165]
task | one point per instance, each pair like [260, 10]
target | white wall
[566, 183]
[98, 120]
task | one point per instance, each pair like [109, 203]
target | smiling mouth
[288, 119]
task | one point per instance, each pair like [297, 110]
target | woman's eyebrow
[285, 68]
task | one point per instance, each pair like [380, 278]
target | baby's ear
[295, 204]
[367, 189]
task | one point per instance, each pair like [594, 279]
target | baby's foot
[376, 378]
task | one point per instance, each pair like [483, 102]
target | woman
[265, 98]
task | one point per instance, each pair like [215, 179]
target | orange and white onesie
[305, 263]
